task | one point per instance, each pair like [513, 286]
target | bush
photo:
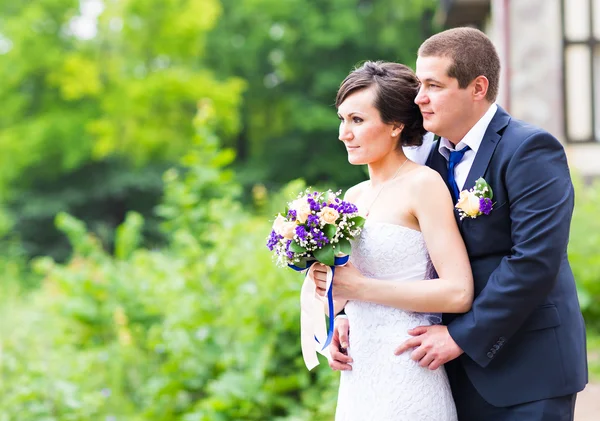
[584, 250]
[205, 329]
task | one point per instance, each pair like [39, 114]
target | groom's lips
[426, 113]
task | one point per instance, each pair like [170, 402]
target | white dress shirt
[472, 139]
[419, 154]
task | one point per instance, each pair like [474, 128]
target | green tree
[89, 124]
[294, 54]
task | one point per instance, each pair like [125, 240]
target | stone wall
[535, 69]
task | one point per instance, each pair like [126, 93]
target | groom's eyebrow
[429, 80]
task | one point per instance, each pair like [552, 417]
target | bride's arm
[452, 292]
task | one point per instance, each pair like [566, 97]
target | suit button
[501, 339]
[490, 355]
[496, 347]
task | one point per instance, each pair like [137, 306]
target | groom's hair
[396, 89]
[472, 53]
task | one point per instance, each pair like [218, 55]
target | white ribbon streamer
[312, 319]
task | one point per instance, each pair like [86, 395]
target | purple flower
[301, 232]
[319, 237]
[292, 215]
[485, 205]
[273, 240]
[314, 205]
[344, 207]
[288, 253]
[312, 221]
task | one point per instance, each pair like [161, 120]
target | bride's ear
[397, 129]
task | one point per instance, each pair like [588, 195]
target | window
[581, 69]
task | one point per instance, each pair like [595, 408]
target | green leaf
[359, 221]
[297, 248]
[329, 230]
[481, 185]
[344, 246]
[325, 255]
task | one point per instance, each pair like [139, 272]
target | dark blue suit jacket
[524, 338]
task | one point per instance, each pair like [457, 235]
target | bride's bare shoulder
[354, 192]
[424, 179]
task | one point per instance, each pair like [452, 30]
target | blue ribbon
[337, 261]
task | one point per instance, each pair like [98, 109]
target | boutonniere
[476, 201]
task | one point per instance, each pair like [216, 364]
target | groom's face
[442, 102]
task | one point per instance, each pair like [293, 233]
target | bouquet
[315, 227]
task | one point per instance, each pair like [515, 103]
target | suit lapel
[487, 147]
[490, 140]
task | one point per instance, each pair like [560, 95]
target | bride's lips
[352, 148]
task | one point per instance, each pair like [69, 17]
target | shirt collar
[473, 138]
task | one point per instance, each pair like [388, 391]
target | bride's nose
[345, 134]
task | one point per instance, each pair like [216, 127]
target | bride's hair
[396, 90]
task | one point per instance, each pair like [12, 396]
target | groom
[519, 353]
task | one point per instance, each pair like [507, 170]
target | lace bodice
[381, 385]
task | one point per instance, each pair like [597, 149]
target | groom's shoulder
[518, 132]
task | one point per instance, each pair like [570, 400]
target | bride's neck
[385, 169]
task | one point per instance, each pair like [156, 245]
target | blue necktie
[453, 160]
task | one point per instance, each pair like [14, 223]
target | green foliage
[584, 250]
[206, 329]
[89, 125]
[294, 55]
[593, 347]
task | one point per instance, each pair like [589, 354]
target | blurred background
[145, 145]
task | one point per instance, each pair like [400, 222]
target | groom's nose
[421, 98]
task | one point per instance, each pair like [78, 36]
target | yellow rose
[328, 215]
[468, 203]
[278, 224]
[288, 230]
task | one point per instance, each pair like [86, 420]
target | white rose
[302, 212]
[278, 224]
[331, 198]
[288, 229]
[329, 215]
[468, 203]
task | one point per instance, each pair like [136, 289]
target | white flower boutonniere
[476, 201]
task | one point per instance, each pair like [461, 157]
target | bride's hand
[347, 281]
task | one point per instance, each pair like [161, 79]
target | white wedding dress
[382, 386]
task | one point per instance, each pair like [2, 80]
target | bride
[390, 284]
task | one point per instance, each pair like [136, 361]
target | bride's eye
[357, 120]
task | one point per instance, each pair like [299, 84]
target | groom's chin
[429, 126]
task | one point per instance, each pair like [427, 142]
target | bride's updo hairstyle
[396, 90]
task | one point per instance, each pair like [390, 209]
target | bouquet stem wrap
[314, 336]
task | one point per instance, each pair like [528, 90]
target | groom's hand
[433, 346]
[339, 345]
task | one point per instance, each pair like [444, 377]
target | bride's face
[366, 137]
